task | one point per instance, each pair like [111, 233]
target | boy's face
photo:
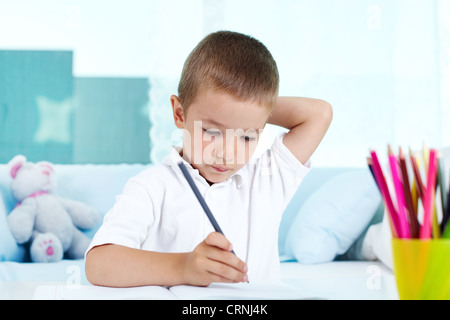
[220, 132]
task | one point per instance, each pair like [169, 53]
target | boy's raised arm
[307, 120]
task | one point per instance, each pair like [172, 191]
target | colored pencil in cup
[403, 221]
[442, 189]
[370, 165]
[392, 213]
[415, 196]
[425, 155]
[414, 192]
[446, 217]
[425, 231]
[417, 177]
[435, 222]
[414, 223]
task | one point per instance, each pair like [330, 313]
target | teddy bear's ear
[15, 164]
[47, 165]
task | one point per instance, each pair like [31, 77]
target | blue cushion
[315, 179]
[332, 218]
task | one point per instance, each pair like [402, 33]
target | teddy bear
[50, 223]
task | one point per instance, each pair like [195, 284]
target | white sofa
[338, 275]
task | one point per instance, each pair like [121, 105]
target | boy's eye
[212, 132]
[247, 138]
[216, 133]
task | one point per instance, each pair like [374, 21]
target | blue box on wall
[47, 114]
[36, 88]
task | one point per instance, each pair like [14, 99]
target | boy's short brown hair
[231, 62]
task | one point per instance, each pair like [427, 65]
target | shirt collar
[174, 158]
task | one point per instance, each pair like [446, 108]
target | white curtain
[382, 64]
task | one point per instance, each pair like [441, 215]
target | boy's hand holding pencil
[213, 261]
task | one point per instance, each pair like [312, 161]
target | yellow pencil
[414, 192]
[435, 223]
[426, 155]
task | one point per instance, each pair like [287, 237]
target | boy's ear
[177, 109]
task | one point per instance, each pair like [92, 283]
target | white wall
[109, 38]
[382, 64]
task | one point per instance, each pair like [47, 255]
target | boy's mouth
[220, 169]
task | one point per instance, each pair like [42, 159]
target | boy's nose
[226, 156]
[226, 152]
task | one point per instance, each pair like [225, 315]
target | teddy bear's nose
[46, 172]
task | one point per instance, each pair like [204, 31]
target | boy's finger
[227, 273]
[227, 258]
[217, 239]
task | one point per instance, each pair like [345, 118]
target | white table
[343, 280]
[335, 280]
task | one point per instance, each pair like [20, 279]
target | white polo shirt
[158, 211]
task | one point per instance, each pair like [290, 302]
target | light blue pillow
[9, 249]
[332, 218]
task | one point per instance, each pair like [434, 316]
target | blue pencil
[200, 199]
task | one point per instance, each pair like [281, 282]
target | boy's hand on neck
[308, 121]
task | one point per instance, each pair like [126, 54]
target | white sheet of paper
[88, 292]
[215, 291]
[241, 291]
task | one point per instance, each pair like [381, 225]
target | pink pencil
[425, 231]
[379, 177]
[404, 227]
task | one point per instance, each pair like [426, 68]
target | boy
[157, 233]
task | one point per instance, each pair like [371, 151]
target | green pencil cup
[422, 268]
